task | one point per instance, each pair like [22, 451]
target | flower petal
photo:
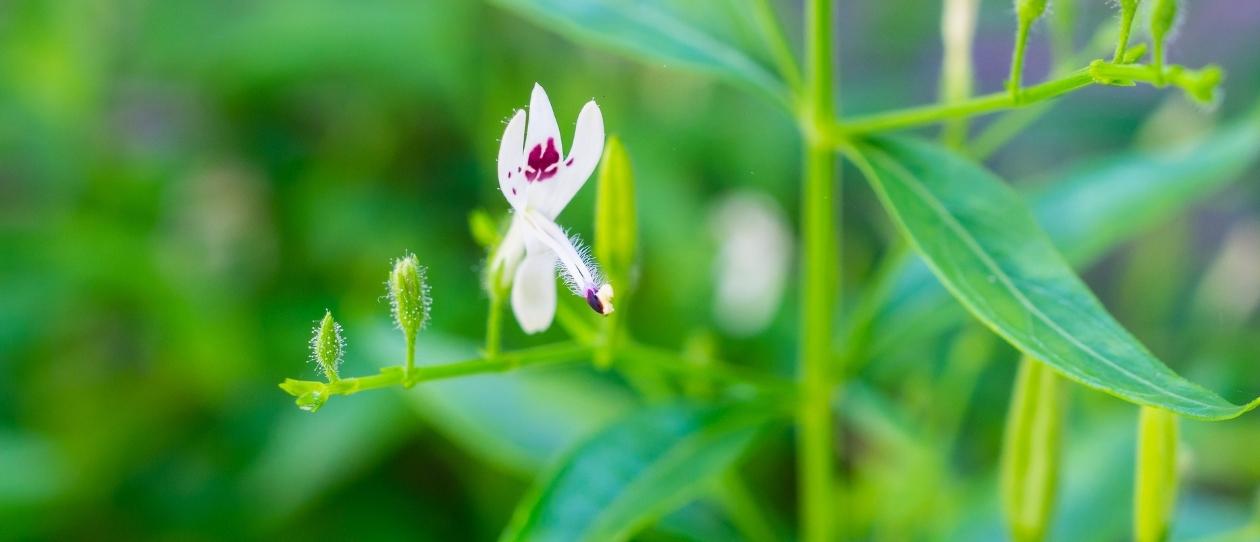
[510, 252]
[542, 122]
[534, 290]
[550, 197]
[512, 161]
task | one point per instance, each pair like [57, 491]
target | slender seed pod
[1155, 480]
[328, 346]
[1030, 451]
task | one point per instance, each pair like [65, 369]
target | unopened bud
[327, 346]
[1029, 10]
[1163, 18]
[485, 230]
[409, 295]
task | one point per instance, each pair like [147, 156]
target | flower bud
[1155, 480]
[409, 295]
[1163, 18]
[616, 219]
[327, 346]
[485, 230]
[1029, 10]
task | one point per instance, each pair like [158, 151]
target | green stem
[494, 325]
[1126, 24]
[931, 114]
[744, 511]
[1017, 61]
[399, 376]
[411, 359]
[819, 207]
[668, 360]
[1098, 72]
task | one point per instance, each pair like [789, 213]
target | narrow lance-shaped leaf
[635, 470]
[984, 245]
[1030, 451]
[662, 32]
[1089, 210]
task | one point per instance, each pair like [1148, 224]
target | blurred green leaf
[987, 249]
[635, 470]
[700, 35]
[1089, 210]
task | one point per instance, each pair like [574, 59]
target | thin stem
[668, 360]
[398, 375]
[494, 325]
[1098, 72]
[1017, 60]
[1126, 24]
[819, 204]
[772, 32]
[410, 367]
[931, 114]
[744, 511]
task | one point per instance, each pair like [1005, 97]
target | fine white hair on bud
[409, 298]
[328, 346]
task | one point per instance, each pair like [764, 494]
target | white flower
[538, 180]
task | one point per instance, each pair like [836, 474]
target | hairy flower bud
[1029, 10]
[409, 295]
[1163, 18]
[327, 346]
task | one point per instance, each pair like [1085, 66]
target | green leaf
[985, 246]
[701, 35]
[636, 470]
[1087, 211]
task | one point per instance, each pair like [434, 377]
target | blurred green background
[186, 185]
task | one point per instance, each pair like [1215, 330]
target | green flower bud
[1030, 450]
[1029, 10]
[1163, 18]
[485, 230]
[1155, 481]
[409, 295]
[616, 218]
[327, 346]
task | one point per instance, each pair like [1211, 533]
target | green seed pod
[409, 295]
[1030, 450]
[1155, 481]
[327, 346]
